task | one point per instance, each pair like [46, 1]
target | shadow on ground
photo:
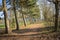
[33, 30]
[2, 31]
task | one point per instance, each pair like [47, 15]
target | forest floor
[31, 29]
[31, 26]
[43, 36]
[31, 32]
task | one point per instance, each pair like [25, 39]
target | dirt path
[50, 36]
[31, 26]
[32, 32]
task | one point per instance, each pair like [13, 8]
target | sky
[1, 12]
[0, 1]
[7, 8]
[10, 6]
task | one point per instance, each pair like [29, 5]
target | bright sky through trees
[0, 4]
[10, 6]
[0, 1]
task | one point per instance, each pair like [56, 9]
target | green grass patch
[2, 26]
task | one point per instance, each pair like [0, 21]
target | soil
[50, 36]
[33, 32]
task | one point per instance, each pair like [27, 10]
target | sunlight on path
[32, 26]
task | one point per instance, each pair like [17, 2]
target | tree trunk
[23, 17]
[7, 30]
[17, 25]
[11, 13]
[56, 16]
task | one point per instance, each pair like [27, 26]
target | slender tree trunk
[23, 17]
[17, 25]
[7, 30]
[56, 16]
[10, 21]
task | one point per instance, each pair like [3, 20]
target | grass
[2, 26]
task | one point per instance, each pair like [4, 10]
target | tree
[56, 16]
[56, 2]
[33, 13]
[14, 8]
[0, 7]
[29, 5]
[7, 29]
